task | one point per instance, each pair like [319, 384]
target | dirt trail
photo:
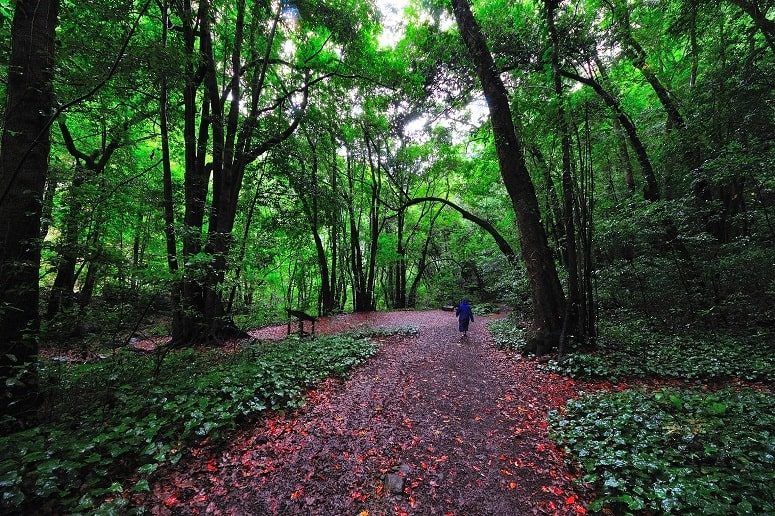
[461, 424]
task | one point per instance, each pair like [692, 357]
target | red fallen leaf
[412, 502]
[380, 489]
[357, 495]
[552, 489]
[512, 485]
[199, 498]
[171, 501]
[399, 511]
[297, 494]
[540, 447]
[570, 500]
[579, 509]
[506, 472]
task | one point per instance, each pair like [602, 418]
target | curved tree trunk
[503, 245]
[651, 189]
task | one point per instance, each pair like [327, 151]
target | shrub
[674, 451]
[507, 335]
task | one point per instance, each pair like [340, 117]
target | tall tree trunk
[400, 268]
[169, 206]
[334, 233]
[24, 153]
[570, 319]
[95, 163]
[326, 290]
[374, 228]
[52, 181]
[553, 210]
[548, 298]
[411, 300]
[195, 186]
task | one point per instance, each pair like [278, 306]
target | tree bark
[24, 153]
[570, 319]
[548, 298]
[87, 167]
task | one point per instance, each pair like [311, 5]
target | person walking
[464, 316]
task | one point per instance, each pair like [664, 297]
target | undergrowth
[633, 350]
[507, 335]
[123, 417]
[672, 451]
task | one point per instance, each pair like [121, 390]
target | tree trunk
[169, 206]
[570, 319]
[95, 163]
[24, 154]
[52, 182]
[553, 210]
[400, 268]
[189, 325]
[411, 300]
[62, 296]
[548, 298]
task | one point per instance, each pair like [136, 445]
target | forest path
[461, 424]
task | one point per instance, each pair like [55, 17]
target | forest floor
[433, 424]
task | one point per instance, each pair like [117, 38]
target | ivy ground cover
[124, 417]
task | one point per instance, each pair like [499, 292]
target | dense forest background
[595, 165]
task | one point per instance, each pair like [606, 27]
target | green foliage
[117, 419]
[485, 308]
[633, 350]
[508, 335]
[673, 451]
[378, 332]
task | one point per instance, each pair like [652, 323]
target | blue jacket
[464, 313]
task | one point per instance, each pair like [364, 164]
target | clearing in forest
[433, 423]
